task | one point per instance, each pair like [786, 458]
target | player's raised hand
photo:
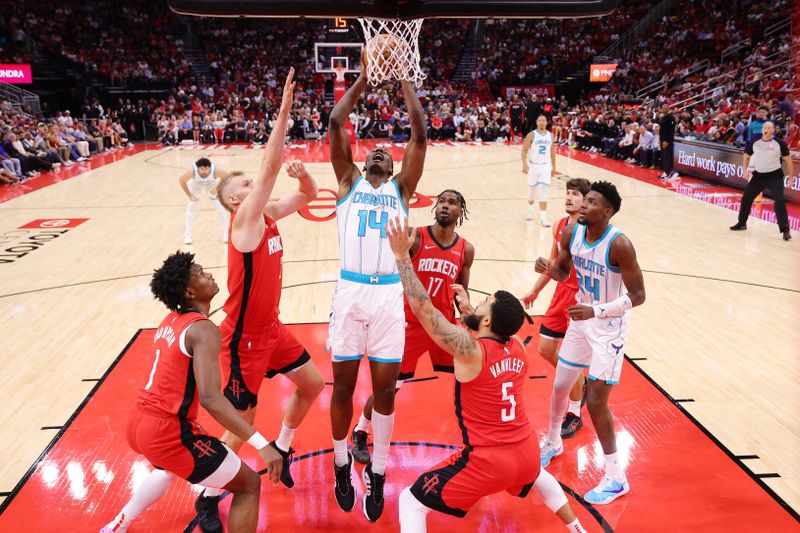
[274, 463]
[542, 266]
[288, 89]
[400, 238]
[297, 170]
[581, 312]
[462, 298]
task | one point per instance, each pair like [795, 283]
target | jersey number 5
[373, 222]
[507, 415]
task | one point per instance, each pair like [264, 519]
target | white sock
[614, 467]
[412, 513]
[340, 452]
[575, 527]
[574, 408]
[284, 440]
[152, 488]
[210, 493]
[382, 427]
[363, 424]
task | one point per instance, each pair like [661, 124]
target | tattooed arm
[454, 339]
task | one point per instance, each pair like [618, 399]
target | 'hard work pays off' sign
[15, 74]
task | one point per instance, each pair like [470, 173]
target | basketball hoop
[392, 50]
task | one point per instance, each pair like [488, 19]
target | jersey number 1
[507, 415]
[373, 222]
[153, 371]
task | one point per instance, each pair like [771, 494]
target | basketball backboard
[397, 9]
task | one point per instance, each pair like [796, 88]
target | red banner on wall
[541, 91]
[15, 74]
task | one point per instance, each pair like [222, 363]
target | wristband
[613, 309]
[257, 441]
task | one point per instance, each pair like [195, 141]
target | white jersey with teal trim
[362, 215]
[211, 178]
[598, 281]
[539, 154]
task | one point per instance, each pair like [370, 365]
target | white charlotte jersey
[212, 176]
[598, 281]
[539, 154]
[362, 214]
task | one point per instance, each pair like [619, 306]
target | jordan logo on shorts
[430, 484]
[204, 448]
[236, 388]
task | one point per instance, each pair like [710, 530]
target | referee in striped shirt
[762, 161]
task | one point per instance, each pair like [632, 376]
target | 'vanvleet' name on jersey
[367, 198]
[589, 265]
[509, 364]
[439, 266]
[274, 244]
[166, 333]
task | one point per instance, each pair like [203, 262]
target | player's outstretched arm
[414, 158]
[453, 339]
[341, 153]
[203, 341]
[307, 190]
[544, 277]
[560, 268]
[250, 211]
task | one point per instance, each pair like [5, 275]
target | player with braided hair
[442, 259]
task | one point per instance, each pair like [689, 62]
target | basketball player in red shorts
[441, 259]
[254, 341]
[500, 448]
[556, 319]
[163, 426]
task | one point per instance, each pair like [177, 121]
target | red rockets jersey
[171, 389]
[491, 408]
[437, 268]
[572, 281]
[254, 282]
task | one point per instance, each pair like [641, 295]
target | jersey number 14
[374, 223]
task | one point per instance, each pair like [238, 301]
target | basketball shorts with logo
[539, 174]
[199, 187]
[245, 360]
[181, 447]
[470, 474]
[597, 344]
[417, 343]
[556, 318]
[367, 318]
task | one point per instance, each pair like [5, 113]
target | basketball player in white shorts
[367, 315]
[539, 163]
[201, 180]
[610, 283]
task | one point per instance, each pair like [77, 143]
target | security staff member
[762, 162]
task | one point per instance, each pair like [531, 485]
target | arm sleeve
[748, 149]
[784, 148]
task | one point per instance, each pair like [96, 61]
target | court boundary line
[42, 456]
[732, 456]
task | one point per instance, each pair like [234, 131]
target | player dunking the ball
[556, 319]
[441, 258]
[367, 309]
[185, 374]
[610, 283]
[255, 342]
[500, 447]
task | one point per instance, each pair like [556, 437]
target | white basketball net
[392, 48]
